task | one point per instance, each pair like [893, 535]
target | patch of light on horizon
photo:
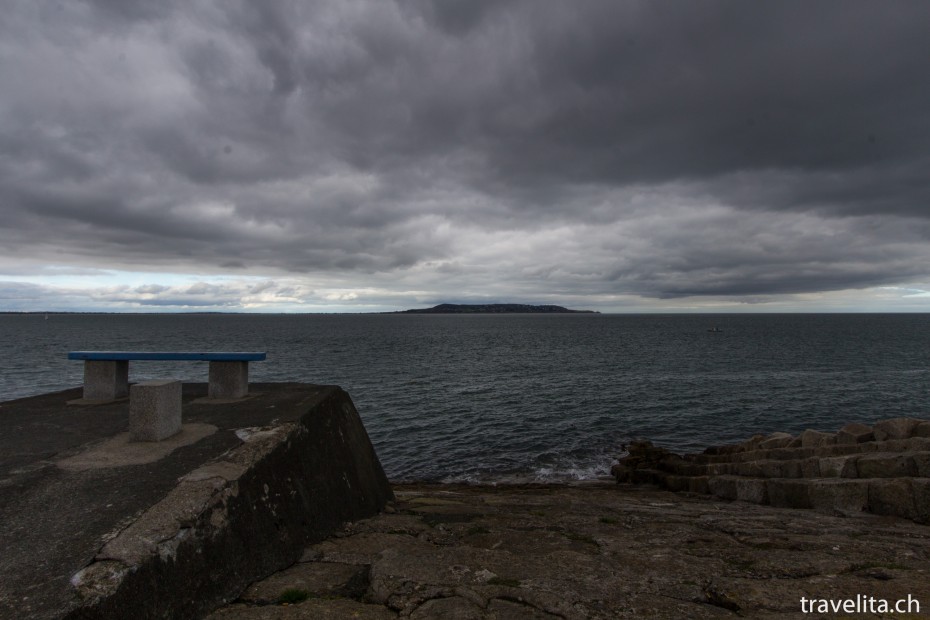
[907, 292]
[103, 278]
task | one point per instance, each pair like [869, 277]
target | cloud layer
[386, 153]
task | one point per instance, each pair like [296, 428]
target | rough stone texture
[839, 466]
[105, 381]
[776, 440]
[914, 444]
[789, 493]
[922, 429]
[752, 443]
[699, 484]
[896, 428]
[313, 609]
[752, 490]
[810, 467]
[920, 487]
[228, 380]
[885, 465]
[599, 551]
[892, 497]
[839, 496]
[322, 578]
[780, 469]
[814, 439]
[640, 463]
[806, 473]
[854, 433]
[921, 464]
[723, 487]
[154, 410]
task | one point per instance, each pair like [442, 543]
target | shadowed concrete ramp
[96, 526]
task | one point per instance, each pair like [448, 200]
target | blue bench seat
[106, 373]
[168, 356]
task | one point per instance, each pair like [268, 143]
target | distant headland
[493, 309]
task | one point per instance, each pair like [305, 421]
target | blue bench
[106, 373]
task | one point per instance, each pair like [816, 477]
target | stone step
[913, 444]
[908, 498]
[853, 433]
[858, 465]
[883, 469]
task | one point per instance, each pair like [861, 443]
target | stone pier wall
[241, 516]
[882, 469]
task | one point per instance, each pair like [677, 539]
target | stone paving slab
[596, 550]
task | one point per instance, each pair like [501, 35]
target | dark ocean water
[537, 397]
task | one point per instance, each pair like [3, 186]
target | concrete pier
[95, 526]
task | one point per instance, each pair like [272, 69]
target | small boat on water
[715, 329]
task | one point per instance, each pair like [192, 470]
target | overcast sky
[359, 155]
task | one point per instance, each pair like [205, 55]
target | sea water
[527, 397]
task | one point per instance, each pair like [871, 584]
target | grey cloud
[272, 32]
[234, 294]
[132, 10]
[14, 293]
[392, 143]
[152, 289]
[458, 17]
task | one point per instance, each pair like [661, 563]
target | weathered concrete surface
[91, 528]
[154, 410]
[228, 379]
[598, 550]
[105, 380]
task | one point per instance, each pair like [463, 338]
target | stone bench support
[106, 380]
[154, 410]
[228, 380]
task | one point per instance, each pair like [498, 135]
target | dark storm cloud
[476, 147]
[658, 93]
[620, 93]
